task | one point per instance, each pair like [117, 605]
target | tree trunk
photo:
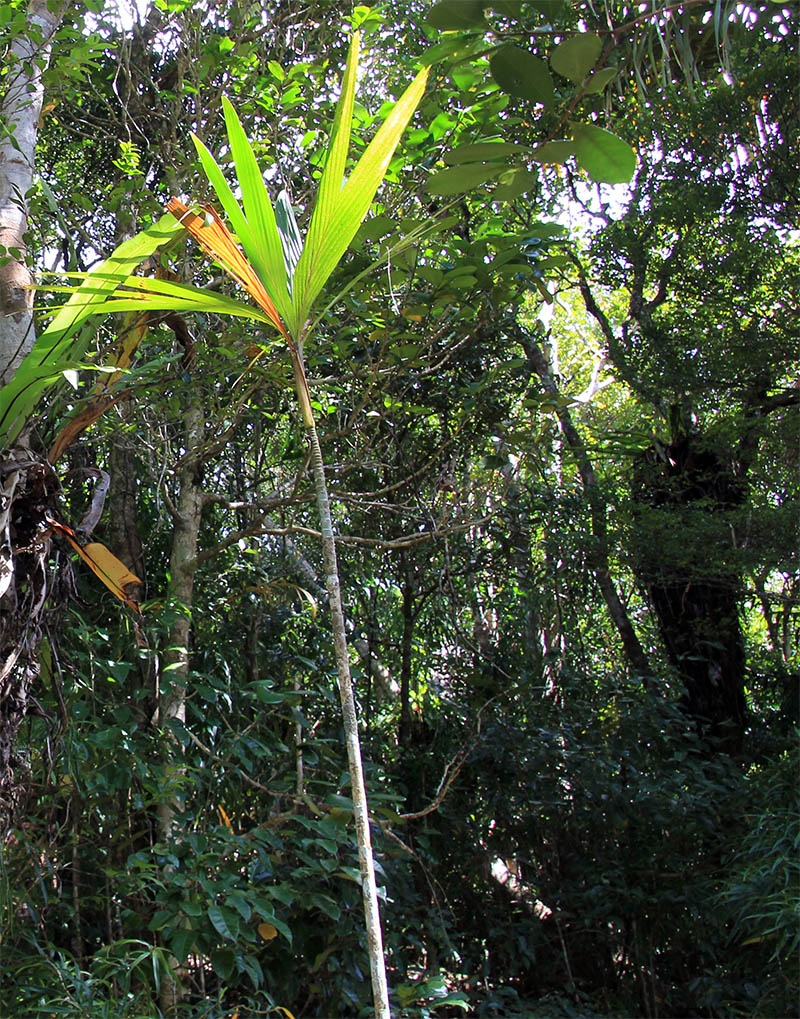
[406, 647]
[597, 508]
[175, 667]
[27, 494]
[686, 492]
[369, 889]
[21, 109]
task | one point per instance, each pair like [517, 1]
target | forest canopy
[400, 510]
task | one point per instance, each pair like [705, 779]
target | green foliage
[590, 854]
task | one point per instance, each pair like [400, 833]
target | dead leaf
[214, 237]
[112, 571]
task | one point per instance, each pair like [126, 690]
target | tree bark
[21, 109]
[172, 692]
[684, 492]
[406, 646]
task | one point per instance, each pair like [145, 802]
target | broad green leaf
[453, 50]
[482, 152]
[520, 73]
[225, 921]
[455, 998]
[264, 248]
[239, 902]
[223, 960]
[65, 338]
[320, 259]
[549, 8]
[554, 152]
[543, 230]
[455, 15]
[513, 183]
[269, 917]
[598, 81]
[605, 157]
[466, 177]
[267, 695]
[182, 942]
[576, 56]
[511, 8]
[332, 180]
[226, 196]
[252, 967]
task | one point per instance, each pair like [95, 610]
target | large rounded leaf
[598, 81]
[454, 15]
[576, 56]
[463, 178]
[514, 183]
[520, 73]
[482, 152]
[554, 152]
[605, 157]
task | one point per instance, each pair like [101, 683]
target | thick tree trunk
[686, 564]
[21, 109]
[27, 488]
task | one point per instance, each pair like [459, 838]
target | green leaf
[513, 183]
[598, 81]
[267, 695]
[467, 177]
[252, 967]
[223, 961]
[576, 56]
[279, 925]
[181, 943]
[62, 343]
[332, 180]
[455, 15]
[482, 152]
[263, 245]
[163, 295]
[289, 231]
[239, 902]
[605, 157]
[554, 152]
[322, 253]
[520, 73]
[225, 921]
[453, 50]
[454, 998]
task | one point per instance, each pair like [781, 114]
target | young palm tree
[284, 275]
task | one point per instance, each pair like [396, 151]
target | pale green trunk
[369, 890]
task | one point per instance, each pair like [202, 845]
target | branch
[597, 508]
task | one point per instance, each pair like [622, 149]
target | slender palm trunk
[369, 890]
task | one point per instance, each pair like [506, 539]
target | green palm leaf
[262, 244]
[345, 211]
[62, 343]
